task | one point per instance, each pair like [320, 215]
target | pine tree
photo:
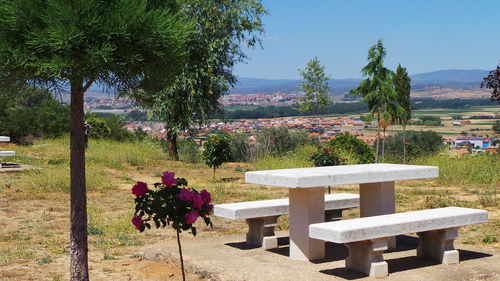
[402, 87]
[71, 45]
[377, 90]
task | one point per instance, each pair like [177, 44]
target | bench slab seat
[366, 237]
[261, 216]
[4, 139]
[5, 153]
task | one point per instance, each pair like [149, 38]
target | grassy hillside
[34, 205]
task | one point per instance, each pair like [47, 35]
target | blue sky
[422, 35]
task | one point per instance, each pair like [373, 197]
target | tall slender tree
[315, 87]
[403, 114]
[223, 28]
[72, 45]
[377, 90]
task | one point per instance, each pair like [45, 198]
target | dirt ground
[229, 258]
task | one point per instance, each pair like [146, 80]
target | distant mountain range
[452, 78]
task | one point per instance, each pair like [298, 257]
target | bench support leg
[367, 257]
[307, 206]
[261, 232]
[377, 199]
[438, 245]
[333, 215]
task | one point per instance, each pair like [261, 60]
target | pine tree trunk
[172, 145]
[404, 143]
[377, 138]
[78, 235]
[213, 178]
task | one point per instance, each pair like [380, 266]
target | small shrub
[278, 141]
[189, 151]
[97, 128]
[488, 238]
[354, 150]
[44, 260]
[418, 143]
[326, 157]
[496, 127]
[240, 147]
[217, 151]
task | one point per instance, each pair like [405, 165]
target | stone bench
[4, 153]
[366, 237]
[261, 216]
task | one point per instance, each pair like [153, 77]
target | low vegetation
[35, 237]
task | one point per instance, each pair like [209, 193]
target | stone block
[368, 228]
[340, 175]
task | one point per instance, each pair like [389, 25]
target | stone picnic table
[307, 196]
[4, 139]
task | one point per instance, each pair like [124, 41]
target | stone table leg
[378, 199]
[306, 206]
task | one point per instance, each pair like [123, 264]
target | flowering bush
[170, 202]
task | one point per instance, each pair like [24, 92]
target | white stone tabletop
[4, 139]
[339, 175]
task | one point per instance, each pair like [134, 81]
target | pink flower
[137, 222]
[210, 208]
[198, 201]
[140, 188]
[207, 198]
[186, 195]
[168, 179]
[191, 217]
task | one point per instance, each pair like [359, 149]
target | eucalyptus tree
[403, 113]
[377, 90]
[222, 29]
[315, 87]
[71, 45]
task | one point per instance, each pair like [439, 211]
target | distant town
[323, 128]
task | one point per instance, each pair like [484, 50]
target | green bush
[326, 157]
[496, 127]
[353, 149]
[217, 151]
[280, 140]
[45, 120]
[117, 129]
[240, 147]
[189, 151]
[418, 143]
[98, 128]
